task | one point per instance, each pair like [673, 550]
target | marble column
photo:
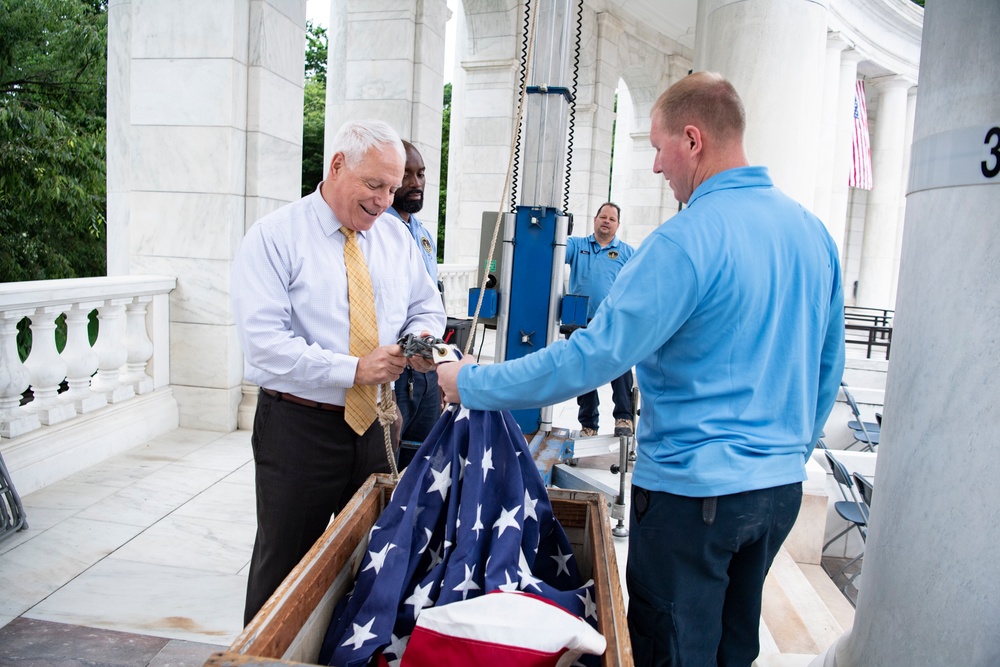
[118, 135]
[911, 107]
[835, 45]
[841, 168]
[485, 91]
[386, 61]
[621, 176]
[931, 578]
[207, 106]
[774, 53]
[878, 248]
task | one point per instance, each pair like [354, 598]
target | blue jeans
[621, 394]
[419, 402]
[695, 585]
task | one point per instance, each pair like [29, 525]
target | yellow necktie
[360, 410]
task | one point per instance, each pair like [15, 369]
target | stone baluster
[14, 379]
[81, 361]
[457, 280]
[138, 346]
[111, 353]
[46, 368]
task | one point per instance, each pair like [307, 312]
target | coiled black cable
[572, 104]
[520, 86]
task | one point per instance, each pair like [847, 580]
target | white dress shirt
[289, 296]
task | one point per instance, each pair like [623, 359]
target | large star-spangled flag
[469, 516]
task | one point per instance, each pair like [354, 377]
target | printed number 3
[994, 136]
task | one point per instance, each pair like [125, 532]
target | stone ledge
[52, 453]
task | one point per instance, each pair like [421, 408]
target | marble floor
[154, 542]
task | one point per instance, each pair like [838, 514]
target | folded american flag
[470, 515]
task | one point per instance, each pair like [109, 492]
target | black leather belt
[292, 398]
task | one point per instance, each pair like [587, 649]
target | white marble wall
[386, 61]
[207, 101]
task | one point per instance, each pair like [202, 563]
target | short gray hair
[357, 137]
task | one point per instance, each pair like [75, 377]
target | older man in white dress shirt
[290, 301]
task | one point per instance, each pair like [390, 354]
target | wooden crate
[290, 628]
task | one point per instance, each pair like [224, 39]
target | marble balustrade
[457, 279]
[130, 356]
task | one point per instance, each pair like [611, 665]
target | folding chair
[12, 517]
[865, 488]
[863, 431]
[850, 509]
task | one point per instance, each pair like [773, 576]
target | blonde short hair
[705, 100]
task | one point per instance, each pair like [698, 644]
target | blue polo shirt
[593, 269]
[425, 242]
[732, 312]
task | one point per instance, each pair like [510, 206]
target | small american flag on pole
[861, 166]
[470, 515]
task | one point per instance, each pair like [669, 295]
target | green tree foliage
[314, 107]
[317, 43]
[443, 200]
[53, 82]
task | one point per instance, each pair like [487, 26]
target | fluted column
[878, 248]
[14, 379]
[835, 45]
[774, 52]
[46, 368]
[841, 168]
[931, 575]
[81, 361]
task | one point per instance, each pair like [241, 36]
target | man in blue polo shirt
[595, 262]
[732, 313]
[417, 395]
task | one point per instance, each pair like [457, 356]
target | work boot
[587, 432]
[623, 427]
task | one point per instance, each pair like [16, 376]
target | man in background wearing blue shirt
[732, 313]
[595, 262]
[417, 395]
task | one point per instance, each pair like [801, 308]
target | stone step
[834, 599]
[797, 611]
